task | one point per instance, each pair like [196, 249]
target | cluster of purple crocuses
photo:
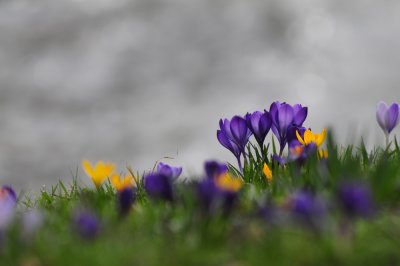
[282, 118]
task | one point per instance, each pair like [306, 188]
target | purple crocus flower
[86, 224]
[6, 192]
[308, 209]
[291, 134]
[234, 135]
[259, 124]
[214, 169]
[8, 203]
[214, 199]
[356, 199]
[126, 197]
[168, 170]
[159, 186]
[388, 117]
[305, 203]
[284, 115]
[207, 193]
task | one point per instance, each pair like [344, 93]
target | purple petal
[273, 110]
[239, 131]
[284, 117]
[265, 123]
[227, 143]
[253, 120]
[279, 159]
[168, 170]
[159, 186]
[300, 114]
[381, 110]
[214, 169]
[226, 127]
[391, 117]
[276, 132]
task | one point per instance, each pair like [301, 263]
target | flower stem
[387, 140]
[240, 164]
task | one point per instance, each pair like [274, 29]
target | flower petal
[309, 137]
[300, 114]
[381, 111]
[285, 117]
[299, 138]
[391, 117]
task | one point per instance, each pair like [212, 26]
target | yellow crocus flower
[122, 183]
[100, 172]
[229, 183]
[267, 172]
[310, 137]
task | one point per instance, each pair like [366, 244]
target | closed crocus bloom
[283, 116]
[356, 199]
[214, 169]
[224, 136]
[168, 170]
[240, 132]
[259, 124]
[159, 186]
[100, 172]
[234, 135]
[388, 117]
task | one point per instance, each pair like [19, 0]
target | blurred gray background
[133, 81]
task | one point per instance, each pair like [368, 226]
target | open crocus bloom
[168, 170]
[100, 172]
[259, 124]
[121, 183]
[310, 137]
[387, 116]
[284, 116]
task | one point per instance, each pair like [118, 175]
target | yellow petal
[320, 138]
[229, 183]
[122, 183]
[309, 137]
[323, 154]
[299, 138]
[267, 172]
[87, 167]
[115, 181]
